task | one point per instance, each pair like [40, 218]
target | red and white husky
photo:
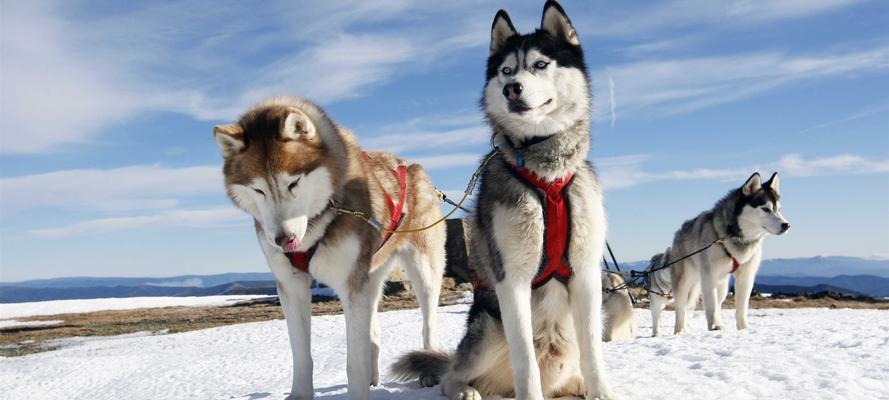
[294, 170]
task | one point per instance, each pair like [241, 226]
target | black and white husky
[539, 216]
[742, 219]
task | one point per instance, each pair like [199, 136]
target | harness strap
[396, 209]
[735, 263]
[301, 260]
[556, 225]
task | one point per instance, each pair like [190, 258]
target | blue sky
[107, 166]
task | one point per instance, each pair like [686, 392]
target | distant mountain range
[200, 281]
[808, 267]
[20, 294]
[870, 285]
[796, 275]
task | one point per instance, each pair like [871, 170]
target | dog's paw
[428, 381]
[606, 396]
[602, 392]
[303, 396]
[716, 327]
[468, 393]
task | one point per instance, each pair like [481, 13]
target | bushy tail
[427, 366]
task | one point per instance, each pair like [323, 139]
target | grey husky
[539, 216]
[742, 219]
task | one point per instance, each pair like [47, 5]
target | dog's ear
[773, 183]
[230, 139]
[753, 184]
[501, 30]
[556, 23]
[297, 126]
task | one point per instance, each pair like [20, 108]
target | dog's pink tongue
[291, 246]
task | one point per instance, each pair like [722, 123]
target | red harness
[300, 260]
[556, 226]
[735, 263]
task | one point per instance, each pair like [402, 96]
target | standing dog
[539, 216]
[742, 219]
[659, 285]
[294, 171]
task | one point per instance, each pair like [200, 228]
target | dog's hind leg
[475, 356]
[425, 270]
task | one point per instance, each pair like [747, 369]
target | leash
[618, 272]
[470, 187]
[635, 276]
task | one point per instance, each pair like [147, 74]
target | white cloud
[653, 88]
[733, 14]
[119, 189]
[795, 165]
[50, 94]
[198, 218]
[884, 109]
[66, 79]
[447, 160]
[441, 140]
[627, 171]
[612, 105]
[69, 76]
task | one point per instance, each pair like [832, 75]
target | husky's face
[275, 170]
[760, 211]
[536, 83]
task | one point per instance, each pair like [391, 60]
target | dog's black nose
[512, 91]
[784, 227]
[282, 239]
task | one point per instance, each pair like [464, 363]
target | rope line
[470, 187]
[635, 276]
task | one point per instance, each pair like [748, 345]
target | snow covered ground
[787, 354]
[18, 310]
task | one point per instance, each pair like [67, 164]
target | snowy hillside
[787, 354]
[17, 310]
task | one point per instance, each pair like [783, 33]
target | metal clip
[375, 224]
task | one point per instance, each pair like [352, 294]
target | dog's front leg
[709, 294]
[358, 311]
[656, 304]
[514, 296]
[296, 301]
[585, 290]
[744, 279]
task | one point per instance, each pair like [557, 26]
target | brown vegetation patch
[22, 340]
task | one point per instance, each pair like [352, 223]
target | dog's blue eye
[506, 70]
[541, 64]
[767, 210]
